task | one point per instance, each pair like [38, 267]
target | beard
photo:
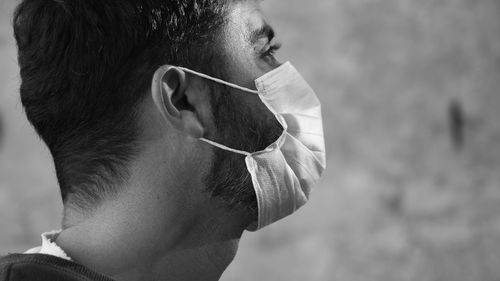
[239, 127]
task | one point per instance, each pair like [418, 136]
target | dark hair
[85, 67]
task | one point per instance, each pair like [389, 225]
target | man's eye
[271, 51]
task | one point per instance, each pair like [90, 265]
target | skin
[163, 226]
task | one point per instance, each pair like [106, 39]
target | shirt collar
[49, 247]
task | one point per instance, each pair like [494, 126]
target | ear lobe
[168, 90]
[191, 124]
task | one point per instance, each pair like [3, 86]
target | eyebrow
[265, 31]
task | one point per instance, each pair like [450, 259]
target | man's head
[87, 69]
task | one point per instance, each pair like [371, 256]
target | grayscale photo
[248, 140]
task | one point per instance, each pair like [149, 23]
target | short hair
[85, 67]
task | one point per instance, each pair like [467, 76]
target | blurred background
[411, 104]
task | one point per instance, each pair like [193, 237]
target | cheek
[245, 123]
[259, 110]
[273, 129]
[266, 128]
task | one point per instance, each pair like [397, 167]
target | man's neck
[117, 245]
[206, 262]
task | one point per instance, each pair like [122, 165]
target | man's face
[242, 121]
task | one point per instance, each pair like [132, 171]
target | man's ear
[169, 95]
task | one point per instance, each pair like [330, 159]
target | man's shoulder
[40, 267]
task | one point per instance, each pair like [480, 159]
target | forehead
[244, 18]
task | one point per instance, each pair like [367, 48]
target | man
[166, 123]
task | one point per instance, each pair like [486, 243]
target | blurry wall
[411, 104]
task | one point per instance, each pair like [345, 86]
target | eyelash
[272, 49]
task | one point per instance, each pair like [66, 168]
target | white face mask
[284, 173]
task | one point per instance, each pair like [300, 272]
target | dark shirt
[40, 267]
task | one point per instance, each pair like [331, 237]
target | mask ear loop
[234, 86]
[223, 147]
[220, 81]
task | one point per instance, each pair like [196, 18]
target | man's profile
[173, 129]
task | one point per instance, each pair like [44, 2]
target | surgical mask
[284, 173]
